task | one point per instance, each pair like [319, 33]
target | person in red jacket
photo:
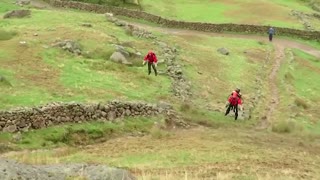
[152, 60]
[234, 101]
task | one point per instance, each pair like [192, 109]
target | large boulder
[69, 45]
[223, 51]
[14, 170]
[10, 129]
[123, 51]
[118, 57]
[17, 14]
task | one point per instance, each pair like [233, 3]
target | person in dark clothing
[152, 60]
[271, 32]
[234, 101]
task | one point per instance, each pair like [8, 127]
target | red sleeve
[155, 58]
[146, 57]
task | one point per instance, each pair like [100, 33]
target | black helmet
[237, 90]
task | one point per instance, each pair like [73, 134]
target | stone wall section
[24, 119]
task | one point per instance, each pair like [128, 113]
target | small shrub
[4, 81]
[129, 31]
[286, 126]
[185, 107]
[301, 103]
[289, 77]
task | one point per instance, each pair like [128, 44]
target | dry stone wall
[207, 27]
[24, 119]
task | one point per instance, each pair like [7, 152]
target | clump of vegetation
[185, 107]
[286, 126]
[4, 81]
[289, 77]
[6, 35]
[301, 103]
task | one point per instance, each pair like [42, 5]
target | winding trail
[279, 54]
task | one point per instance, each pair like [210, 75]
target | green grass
[77, 134]
[5, 35]
[91, 77]
[214, 75]
[275, 13]
[298, 84]
[7, 5]
[188, 10]
[306, 78]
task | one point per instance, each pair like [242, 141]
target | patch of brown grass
[301, 103]
[286, 126]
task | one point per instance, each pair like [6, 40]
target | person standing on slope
[234, 101]
[152, 60]
[271, 32]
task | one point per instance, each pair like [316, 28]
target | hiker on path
[234, 101]
[271, 32]
[152, 60]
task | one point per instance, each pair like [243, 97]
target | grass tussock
[301, 103]
[289, 77]
[286, 126]
[185, 107]
[4, 81]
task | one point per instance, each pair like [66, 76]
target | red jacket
[235, 98]
[151, 58]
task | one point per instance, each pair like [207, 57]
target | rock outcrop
[13, 170]
[17, 14]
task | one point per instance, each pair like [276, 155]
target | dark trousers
[235, 110]
[150, 64]
[270, 37]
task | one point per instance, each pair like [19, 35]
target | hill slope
[272, 77]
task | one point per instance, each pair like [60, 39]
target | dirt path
[273, 102]
[279, 54]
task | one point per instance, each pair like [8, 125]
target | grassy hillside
[196, 154]
[262, 12]
[299, 98]
[220, 148]
[39, 70]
